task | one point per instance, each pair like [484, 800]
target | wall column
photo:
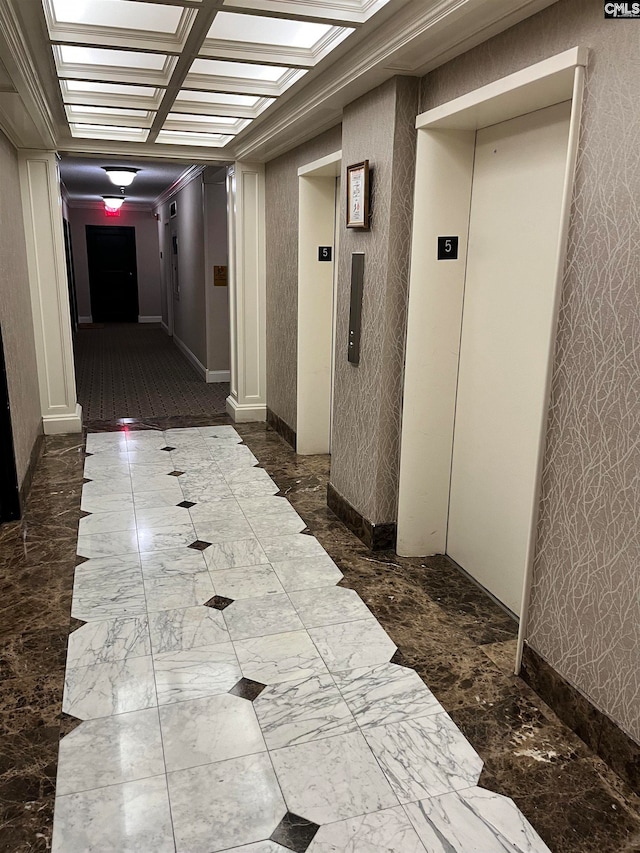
[247, 291]
[42, 211]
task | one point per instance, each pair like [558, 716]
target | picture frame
[173, 209]
[358, 196]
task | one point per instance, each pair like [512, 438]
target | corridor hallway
[288, 694]
[134, 370]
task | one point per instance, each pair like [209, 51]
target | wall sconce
[113, 202]
[121, 176]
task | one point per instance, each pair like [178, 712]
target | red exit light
[108, 212]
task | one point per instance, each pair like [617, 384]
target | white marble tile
[473, 821]
[281, 657]
[329, 605]
[259, 617]
[125, 818]
[332, 779]
[425, 757]
[173, 561]
[199, 491]
[277, 524]
[227, 530]
[220, 433]
[110, 751]
[257, 507]
[166, 538]
[251, 482]
[307, 573]
[353, 644]
[161, 516]
[187, 628]
[149, 439]
[279, 548]
[196, 672]
[211, 729]
[107, 589]
[248, 582]
[106, 488]
[109, 641]
[153, 456]
[170, 497]
[234, 458]
[386, 693]
[106, 503]
[101, 442]
[155, 483]
[211, 513]
[260, 847]
[169, 592]
[102, 467]
[108, 544]
[107, 522]
[103, 689]
[387, 831]
[224, 805]
[299, 711]
[235, 553]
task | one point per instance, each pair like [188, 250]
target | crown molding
[16, 57]
[94, 204]
[189, 175]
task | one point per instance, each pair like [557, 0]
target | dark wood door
[9, 495]
[113, 276]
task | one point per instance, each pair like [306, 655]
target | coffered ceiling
[217, 79]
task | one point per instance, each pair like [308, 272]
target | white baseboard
[61, 424]
[218, 376]
[88, 319]
[245, 413]
[149, 319]
[195, 361]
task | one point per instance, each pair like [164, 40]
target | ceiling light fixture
[113, 202]
[121, 176]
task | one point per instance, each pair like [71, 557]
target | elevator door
[507, 328]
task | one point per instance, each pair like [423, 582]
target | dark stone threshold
[377, 537]
[36, 453]
[595, 728]
[282, 428]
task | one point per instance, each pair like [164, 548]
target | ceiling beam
[201, 26]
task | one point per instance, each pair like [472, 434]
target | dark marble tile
[26, 827]
[186, 504]
[28, 763]
[295, 832]
[502, 654]
[30, 703]
[199, 545]
[218, 602]
[282, 428]
[248, 689]
[620, 752]
[33, 653]
[377, 537]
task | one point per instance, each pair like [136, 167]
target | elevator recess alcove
[495, 168]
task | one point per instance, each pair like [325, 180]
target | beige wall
[202, 243]
[585, 608]
[367, 408]
[15, 314]
[281, 177]
[147, 255]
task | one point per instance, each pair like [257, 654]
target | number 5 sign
[447, 248]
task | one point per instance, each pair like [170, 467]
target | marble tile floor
[231, 695]
[294, 697]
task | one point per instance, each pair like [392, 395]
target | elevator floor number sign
[447, 248]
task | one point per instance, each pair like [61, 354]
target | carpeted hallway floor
[136, 371]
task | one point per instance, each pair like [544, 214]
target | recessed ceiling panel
[111, 116]
[343, 12]
[113, 66]
[219, 103]
[100, 131]
[241, 77]
[276, 31]
[74, 55]
[205, 123]
[91, 93]
[118, 14]
[210, 140]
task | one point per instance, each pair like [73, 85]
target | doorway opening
[113, 273]
[494, 178]
[319, 211]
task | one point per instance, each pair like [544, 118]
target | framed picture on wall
[358, 196]
[173, 209]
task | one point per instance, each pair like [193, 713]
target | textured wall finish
[585, 607]
[368, 397]
[15, 314]
[281, 177]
